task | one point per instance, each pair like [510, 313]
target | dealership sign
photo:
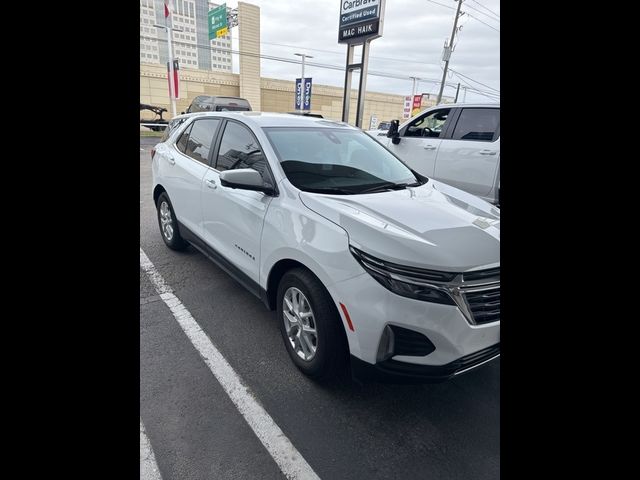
[360, 20]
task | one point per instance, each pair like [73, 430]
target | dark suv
[208, 103]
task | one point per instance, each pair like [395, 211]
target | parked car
[383, 126]
[208, 103]
[364, 259]
[458, 144]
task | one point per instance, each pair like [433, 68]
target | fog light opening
[386, 347]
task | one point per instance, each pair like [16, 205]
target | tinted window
[337, 160]
[173, 124]
[181, 144]
[477, 124]
[430, 125]
[201, 138]
[240, 149]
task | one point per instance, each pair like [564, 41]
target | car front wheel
[311, 326]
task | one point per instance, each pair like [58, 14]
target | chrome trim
[476, 366]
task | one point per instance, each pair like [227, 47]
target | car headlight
[410, 282]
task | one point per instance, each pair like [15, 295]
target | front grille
[490, 274]
[484, 304]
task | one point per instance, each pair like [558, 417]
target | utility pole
[448, 55]
[303, 55]
[457, 91]
[464, 94]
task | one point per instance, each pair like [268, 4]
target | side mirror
[245, 179]
[392, 133]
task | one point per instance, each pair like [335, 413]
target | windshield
[337, 160]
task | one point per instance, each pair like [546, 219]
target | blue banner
[303, 94]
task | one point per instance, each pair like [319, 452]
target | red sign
[417, 101]
[174, 81]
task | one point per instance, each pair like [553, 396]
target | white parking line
[291, 463]
[148, 465]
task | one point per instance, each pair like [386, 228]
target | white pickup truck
[457, 143]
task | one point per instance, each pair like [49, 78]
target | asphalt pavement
[344, 430]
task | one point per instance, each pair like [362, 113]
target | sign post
[217, 19]
[361, 21]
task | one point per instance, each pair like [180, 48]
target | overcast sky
[411, 44]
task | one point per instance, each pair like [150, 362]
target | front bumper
[392, 371]
[458, 344]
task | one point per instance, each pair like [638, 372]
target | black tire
[332, 353]
[176, 242]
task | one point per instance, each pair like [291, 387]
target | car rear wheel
[311, 326]
[168, 224]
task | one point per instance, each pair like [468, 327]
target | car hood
[433, 226]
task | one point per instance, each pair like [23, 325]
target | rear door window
[478, 124]
[201, 138]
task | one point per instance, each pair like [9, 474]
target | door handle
[211, 184]
[429, 147]
[171, 160]
[487, 152]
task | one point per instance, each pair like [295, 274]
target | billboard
[360, 20]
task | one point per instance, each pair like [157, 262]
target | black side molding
[233, 271]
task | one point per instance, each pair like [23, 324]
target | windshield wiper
[340, 191]
[389, 186]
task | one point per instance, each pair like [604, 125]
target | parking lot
[340, 430]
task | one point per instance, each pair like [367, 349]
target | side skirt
[237, 274]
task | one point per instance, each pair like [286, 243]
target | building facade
[191, 46]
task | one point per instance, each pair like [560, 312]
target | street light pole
[303, 55]
[172, 93]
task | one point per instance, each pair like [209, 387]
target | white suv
[364, 259]
[458, 144]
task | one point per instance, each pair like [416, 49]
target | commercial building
[191, 46]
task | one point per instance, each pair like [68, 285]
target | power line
[441, 4]
[474, 1]
[334, 52]
[482, 13]
[471, 88]
[285, 60]
[473, 16]
[476, 81]
[311, 64]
